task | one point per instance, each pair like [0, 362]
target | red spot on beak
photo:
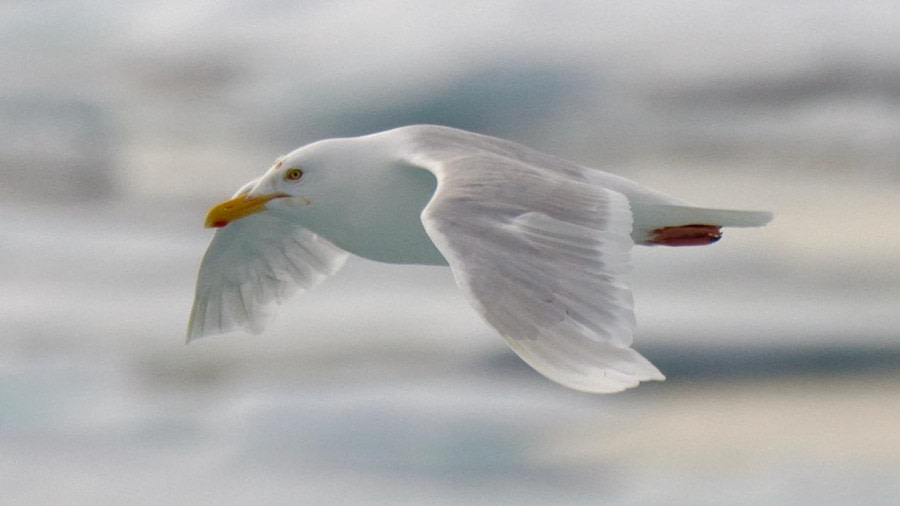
[219, 224]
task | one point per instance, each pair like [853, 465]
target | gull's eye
[293, 174]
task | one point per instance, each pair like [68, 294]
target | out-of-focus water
[122, 123]
[383, 387]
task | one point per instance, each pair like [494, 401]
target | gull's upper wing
[251, 265]
[544, 257]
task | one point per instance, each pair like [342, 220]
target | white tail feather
[650, 217]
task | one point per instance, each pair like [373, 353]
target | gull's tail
[674, 225]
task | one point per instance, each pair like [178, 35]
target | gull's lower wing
[544, 259]
[253, 264]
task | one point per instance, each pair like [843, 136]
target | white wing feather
[253, 264]
[545, 260]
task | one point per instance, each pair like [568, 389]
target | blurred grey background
[120, 123]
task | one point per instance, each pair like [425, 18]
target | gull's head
[295, 180]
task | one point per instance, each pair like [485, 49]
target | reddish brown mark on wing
[686, 235]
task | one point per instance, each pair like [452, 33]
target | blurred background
[121, 123]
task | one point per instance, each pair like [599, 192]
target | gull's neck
[375, 202]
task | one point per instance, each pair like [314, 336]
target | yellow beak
[224, 213]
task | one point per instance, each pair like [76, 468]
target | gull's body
[539, 246]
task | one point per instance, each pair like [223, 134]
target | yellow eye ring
[293, 174]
